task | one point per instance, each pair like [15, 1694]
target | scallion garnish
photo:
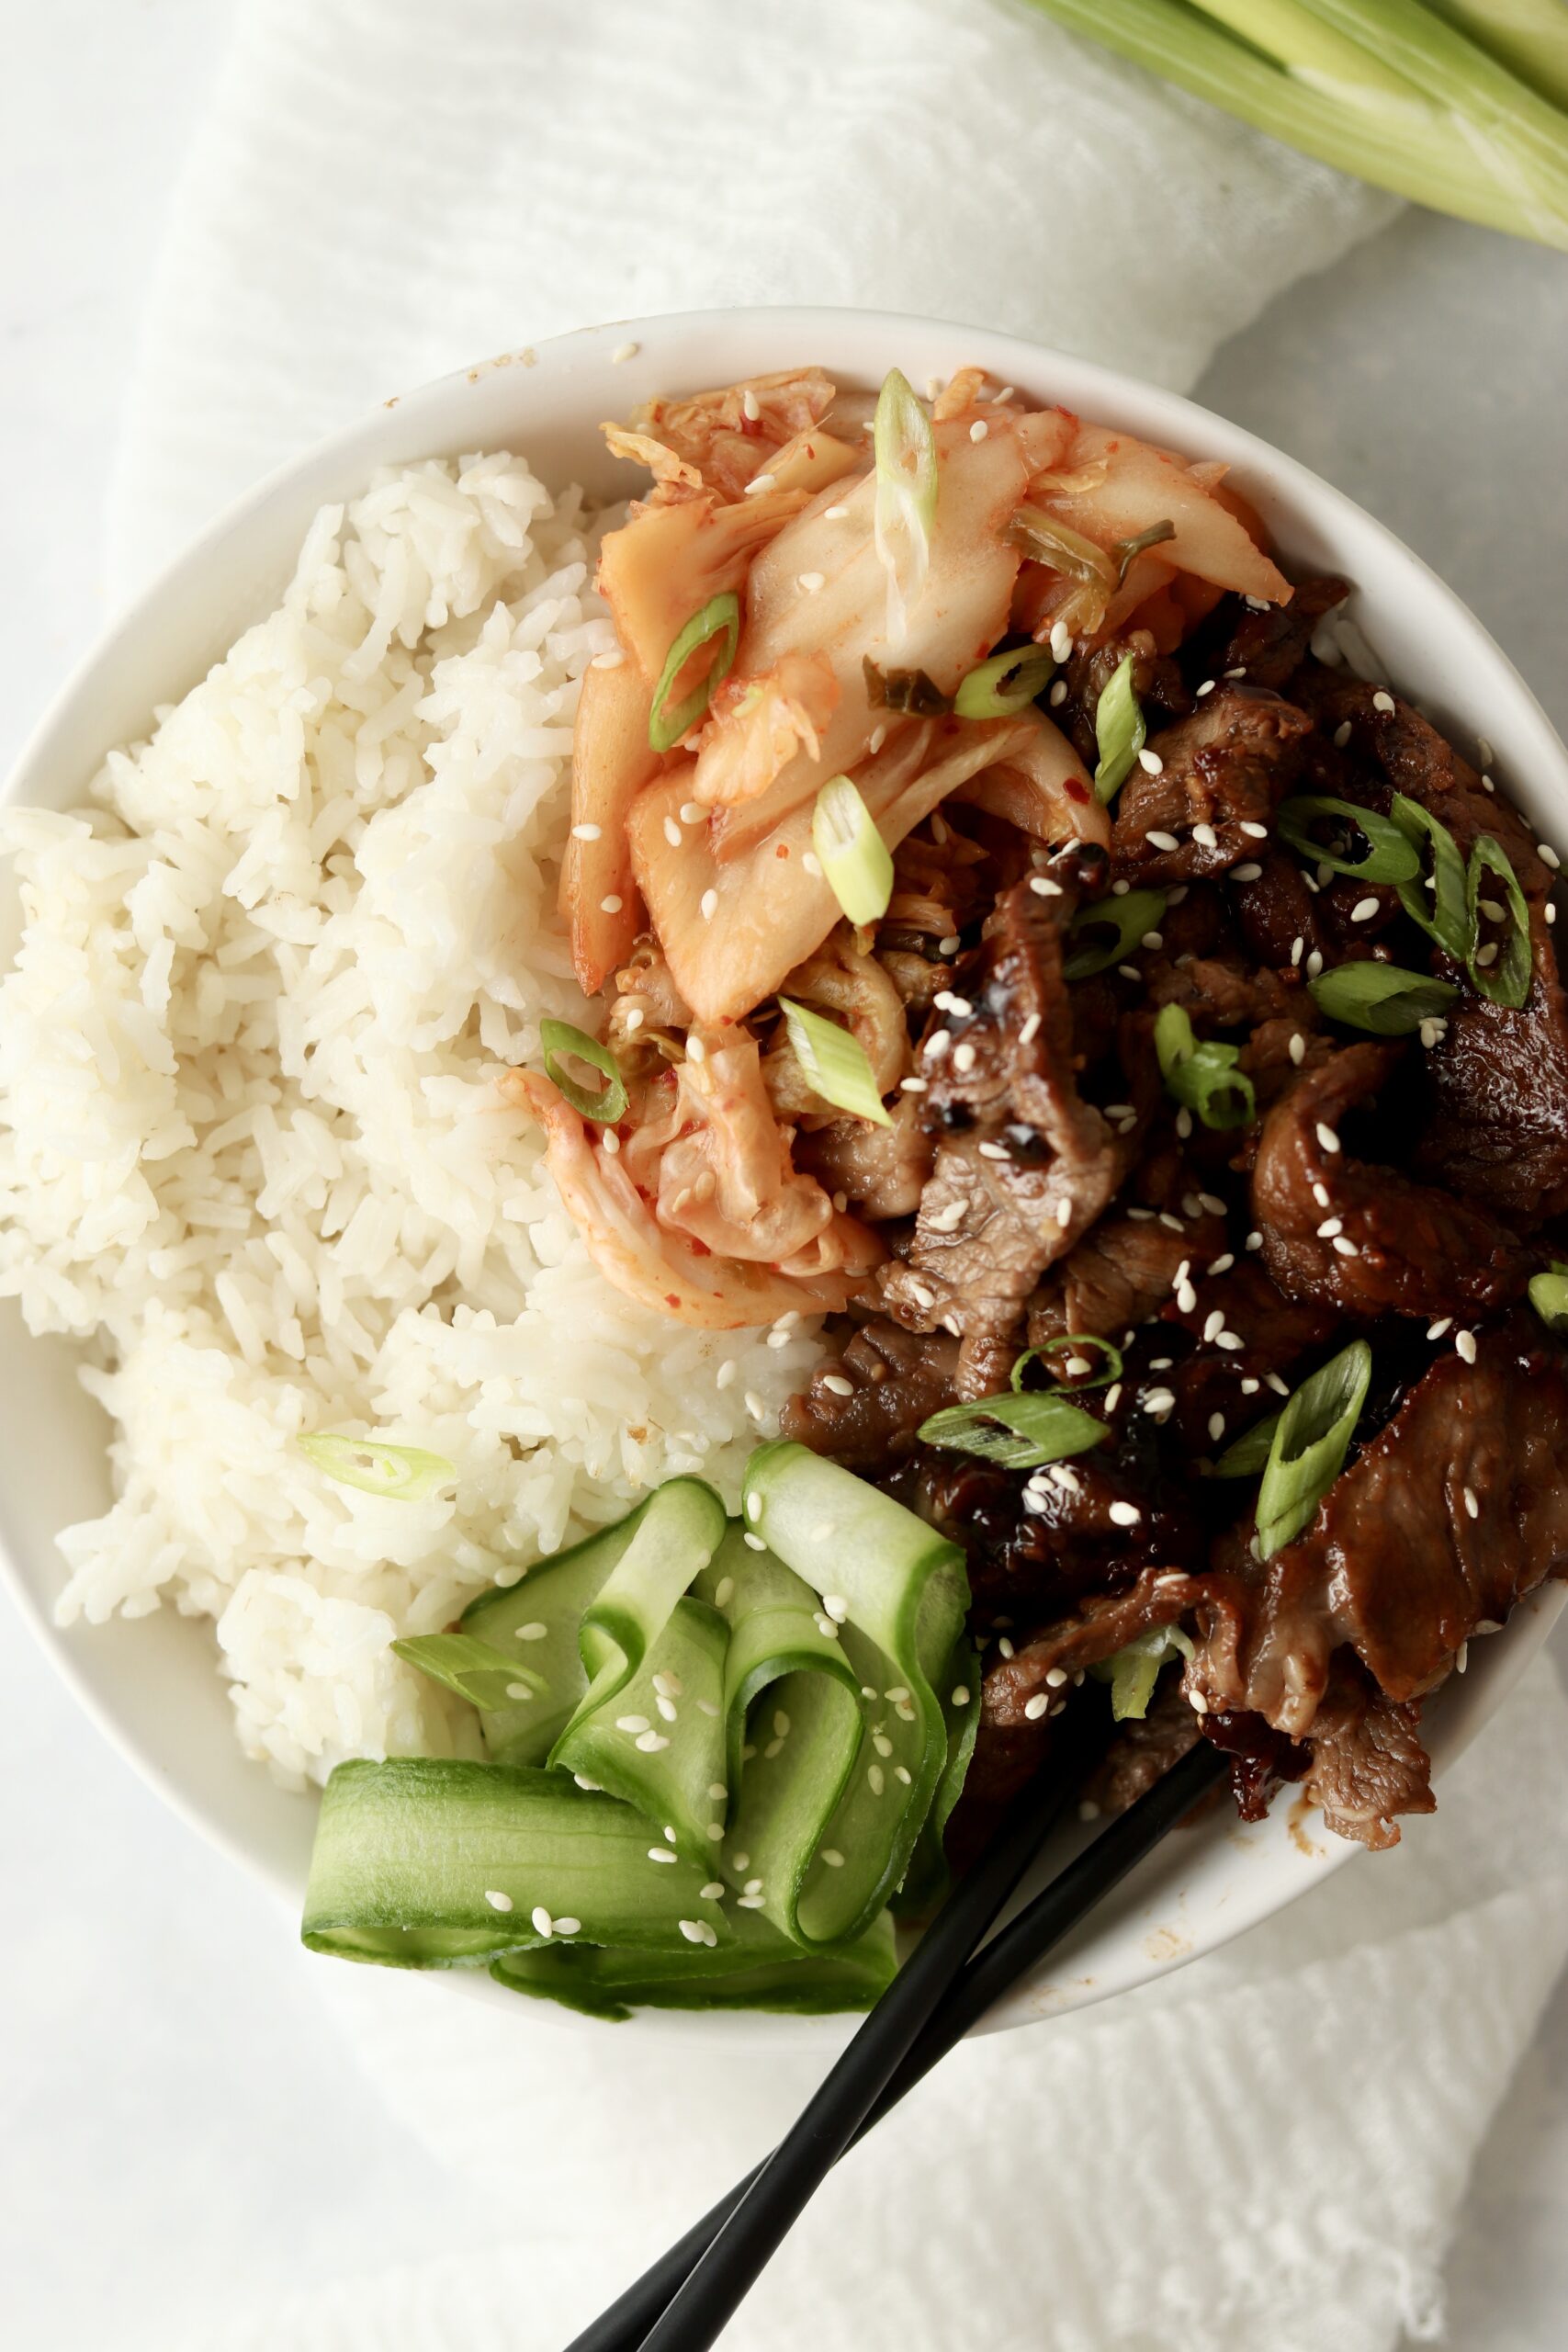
[1005, 685]
[1133, 1669]
[1383, 998]
[475, 1669]
[609, 1103]
[1061, 548]
[1549, 1297]
[833, 1063]
[720, 617]
[1201, 1074]
[1443, 911]
[1070, 1345]
[1247, 1457]
[905, 450]
[1505, 980]
[404, 1474]
[1119, 730]
[1126, 919]
[1309, 1447]
[856, 863]
[1390, 856]
[908, 690]
[1017, 1433]
[1127, 551]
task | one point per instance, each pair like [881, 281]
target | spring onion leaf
[1383, 998]
[720, 617]
[1125, 919]
[1061, 548]
[1247, 1456]
[904, 449]
[1443, 911]
[1390, 857]
[1507, 979]
[834, 1063]
[404, 1474]
[1549, 1297]
[913, 691]
[609, 1103]
[1458, 133]
[1309, 1447]
[1017, 1431]
[1202, 1074]
[1119, 730]
[1529, 37]
[1005, 685]
[856, 860]
[1072, 1344]
[1132, 1671]
[475, 1669]
[1127, 551]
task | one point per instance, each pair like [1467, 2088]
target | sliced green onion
[1310, 1445]
[1457, 132]
[905, 450]
[1443, 911]
[1125, 919]
[985, 694]
[609, 1103]
[1390, 856]
[1119, 730]
[1017, 1433]
[1074, 1341]
[913, 691]
[1127, 551]
[1133, 1669]
[475, 1669]
[720, 617]
[404, 1474]
[1247, 1457]
[1549, 1297]
[1529, 37]
[1061, 548]
[1383, 998]
[1202, 1075]
[856, 862]
[1506, 981]
[834, 1063]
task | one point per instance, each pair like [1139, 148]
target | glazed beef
[1496, 1129]
[1363, 1237]
[1143, 1750]
[863, 1409]
[1457, 1508]
[1267, 647]
[1157, 683]
[1122, 1273]
[1368, 1763]
[1036, 1672]
[1024, 1165]
[1036, 1547]
[1225, 768]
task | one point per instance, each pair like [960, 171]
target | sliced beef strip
[1157, 682]
[1497, 1089]
[1024, 1165]
[1368, 1763]
[1396, 1565]
[1221, 992]
[1104, 1625]
[1035, 1552]
[898, 1379]
[1229, 765]
[1123, 1273]
[1406, 1249]
[1143, 1750]
[1275, 1333]
[1269, 645]
[1277, 908]
[1260, 1758]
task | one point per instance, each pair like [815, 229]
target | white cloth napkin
[1268, 2148]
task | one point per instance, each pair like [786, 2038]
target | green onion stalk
[1462, 104]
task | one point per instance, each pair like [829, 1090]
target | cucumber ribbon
[669, 1707]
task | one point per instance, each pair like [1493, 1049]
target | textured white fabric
[1267, 2149]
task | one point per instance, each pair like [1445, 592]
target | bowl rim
[1280, 483]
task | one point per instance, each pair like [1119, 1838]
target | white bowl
[151, 1686]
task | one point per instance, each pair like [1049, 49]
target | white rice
[256, 1154]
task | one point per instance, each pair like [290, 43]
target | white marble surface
[177, 2126]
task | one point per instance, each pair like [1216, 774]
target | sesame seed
[902, 1773]
[1490, 907]
[1183, 1124]
[660, 1854]
[610, 658]
[963, 1059]
[1472, 1506]
[1214, 1326]
[1298, 948]
[1298, 1049]
[1125, 1514]
[759, 482]
[1381, 701]
[543, 1922]
[921, 1296]
[837, 1385]
[632, 1723]
[1547, 856]
[692, 812]
[1363, 910]
[1061, 640]
[875, 1780]
[1186, 1298]
[811, 581]
[1345, 1245]
[1162, 841]
[949, 947]
[1249, 873]
[1034, 1708]
[755, 1406]
[1044, 887]
[878, 736]
[753, 1543]
[1129, 972]
[497, 1901]
[1153, 940]
[1272, 1380]
[586, 832]
[584, 1782]
[1465, 1343]
[749, 1902]
[518, 1690]
[1058, 694]
[1205, 837]
[936, 1045]
[634, 1019]
[1199, 1704]
[623, 351]
[1151, 762]
[1342, 735]
[1222, 1263]
[1326, 1137]
[1435, 1330]
[1250, 1387]
[1255, 832]
[1114, 1396]
[534, 1632]
[1229, 1340]
[1158, 1402]
[653, 1743]
[834, 514]
[1064, 1214]
[673, 832]
[1030, 1031]
[912, 1086]
[1487, 955]
[1329, 1228]
[1216, 1428]
[1173, 1225]
[1212, 1203]
[1320, 1195]
[992, 1151]
[709, 905]
[978, 429]
[1550, 910]
[610, 904]
[696, 1050]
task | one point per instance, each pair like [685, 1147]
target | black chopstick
[687, 2296]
